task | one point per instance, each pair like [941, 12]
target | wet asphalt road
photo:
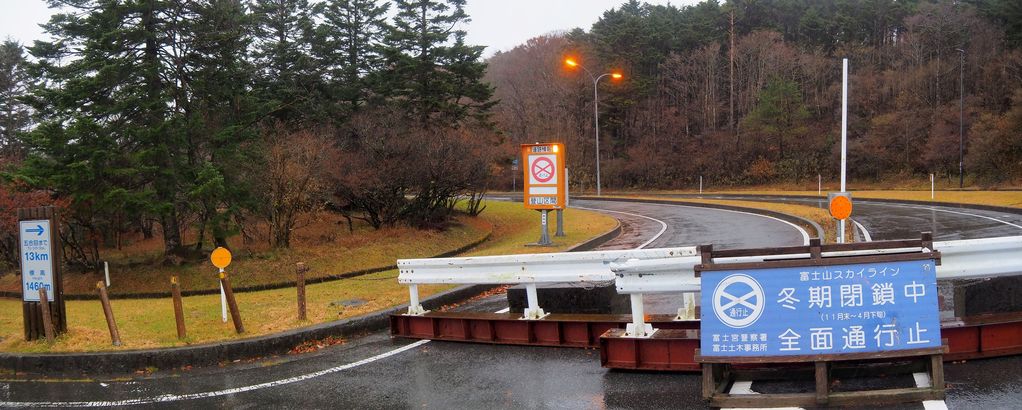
[886, 221]
[476, 376]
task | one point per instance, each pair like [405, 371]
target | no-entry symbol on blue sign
[738, 301]
[36, 259]
[853, 308]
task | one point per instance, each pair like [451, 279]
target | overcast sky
[497, 24]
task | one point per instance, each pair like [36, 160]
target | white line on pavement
[663, 225]
[865, 233]
[176, 397]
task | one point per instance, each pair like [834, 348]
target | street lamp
[961, 118]
[596, 108]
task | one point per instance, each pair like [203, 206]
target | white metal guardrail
[668, 270]
[530, 269]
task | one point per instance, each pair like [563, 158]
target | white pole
[819, 185]
[106, 272]
[844, 121]
[931, 186]
[638, 316]
[567, 187]
[596, 116]
[844, 140]
[700, 184]
[223, 301]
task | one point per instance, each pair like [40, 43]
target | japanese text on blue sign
[857, 308]
[36, 259]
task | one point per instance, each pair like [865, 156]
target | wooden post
[822, 383]
[232, 304]
[179, 314]
[115, 336]
[300, 285]
[44, 304]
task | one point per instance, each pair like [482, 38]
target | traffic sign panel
[543, 175]
[850, 308]
[36, 258]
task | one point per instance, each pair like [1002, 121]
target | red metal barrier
[568, 330]
[672, 347]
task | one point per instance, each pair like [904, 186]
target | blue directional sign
[868, 307]
[36, 259]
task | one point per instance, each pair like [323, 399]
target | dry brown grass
[149, 323]
[325, 245]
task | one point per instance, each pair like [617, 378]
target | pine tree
[14, 115]
[349, 48]
[287, 78]
[434, 74]
[142, 105]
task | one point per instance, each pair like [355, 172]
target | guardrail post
[533, 312]
[414, 307]
[638, 327]
[688, 310]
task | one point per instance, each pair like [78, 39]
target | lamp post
[961, 118]
[596, 109]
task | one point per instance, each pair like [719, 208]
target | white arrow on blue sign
[36, 259]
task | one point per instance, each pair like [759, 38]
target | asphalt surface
[376, 371]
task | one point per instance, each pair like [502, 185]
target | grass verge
[149, 323]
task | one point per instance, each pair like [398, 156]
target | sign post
[544, 183]
[221, 258]
[41, 268]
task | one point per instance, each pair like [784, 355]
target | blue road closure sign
[838, 309]
[36, 259]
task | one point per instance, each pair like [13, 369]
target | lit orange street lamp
[570, 62]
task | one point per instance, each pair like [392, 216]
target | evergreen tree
[219, 117]
[14, 115]
[779, 113]
[287, 78]
[434, 74]
[348, 47]
[141, 106]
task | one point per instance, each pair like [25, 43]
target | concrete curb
[209, 354]
[775, 214]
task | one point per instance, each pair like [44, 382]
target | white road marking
[955, 212]
[663, 225]
[923, 380]
[865, 233]
[176, 397]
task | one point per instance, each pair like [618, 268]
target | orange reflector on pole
[840, 207]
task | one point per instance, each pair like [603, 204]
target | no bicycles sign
[544, 176]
